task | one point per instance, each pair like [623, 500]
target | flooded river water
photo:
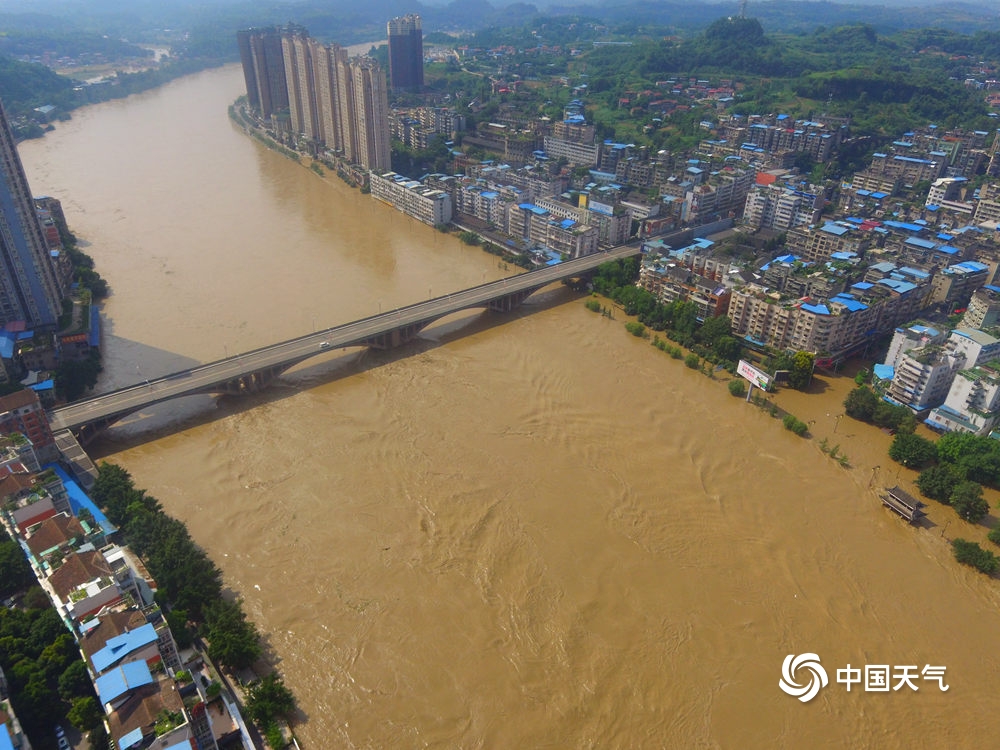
[520, 532]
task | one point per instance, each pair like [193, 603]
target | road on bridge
[203, 378]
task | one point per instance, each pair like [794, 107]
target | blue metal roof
[862, 285]
[120, 680]
[849, 302]
[816, 309]
[903, 225]
[899, 286]
[918, 242]
[884, 372]
[970, 266]
[78, 499]
[6, 345]
[131, 739]
[5, 741]
[122, 645]
[912, 160]
[834, 229]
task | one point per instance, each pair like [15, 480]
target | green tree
[912, 451]
[861, 404]
[967, 499]
[970, 553]
[728, 348]
[75, 681]
[233, 640]
[15, 572]
[737, 387]
[794, 424]
[75, 377]
[801, 371]
[994, 535]
[974, 457]
[85, 714]
[636, 328]
[274, 736]
[714, 329]
[268, 699]
[177, 620]
[938, 482]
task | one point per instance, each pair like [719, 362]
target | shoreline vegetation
[954, 469]
[191, 594]
[121, 86]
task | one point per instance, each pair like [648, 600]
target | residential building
[819, 244]
[330, 67]
[923, 376]
[973, 402]
[576, 153]
[12, 737]
[29, 285]
[406, 53]
[423, 203]
[372, 146]
[264, 70]
[988, 206]
[911, 337]
[955, 284]
[300, 77]
[984, 308]
[22, 412]
[612, 222]
[777, 207]
[671, 281]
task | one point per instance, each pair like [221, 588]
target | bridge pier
[251, 382]
[396, 337]
[510, 301]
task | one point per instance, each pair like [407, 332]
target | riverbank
[861, 449]
[538, 518]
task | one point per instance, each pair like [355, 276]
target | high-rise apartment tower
[29, 287]
[264, 69]
[406, 53]
[335, 102]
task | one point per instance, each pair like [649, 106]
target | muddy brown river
[532, 531]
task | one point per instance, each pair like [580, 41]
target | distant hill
[348, 21]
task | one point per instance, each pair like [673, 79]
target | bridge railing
[512, 284]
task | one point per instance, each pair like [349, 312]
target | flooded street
[525, 531]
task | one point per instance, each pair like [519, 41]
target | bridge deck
[108, 407]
